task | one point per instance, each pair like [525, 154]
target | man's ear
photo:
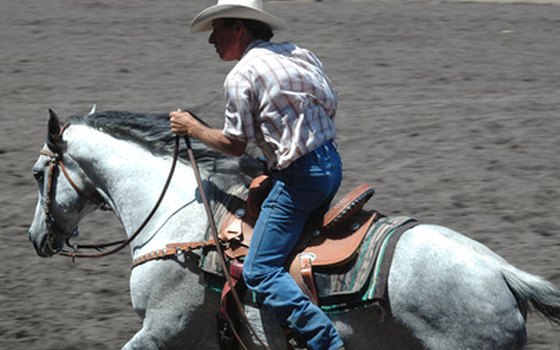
[242, 33]
[240, 28]
[239, 25]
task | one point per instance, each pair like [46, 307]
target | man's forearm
[216, 139]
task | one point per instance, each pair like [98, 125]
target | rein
[56, 162]
[221, 256]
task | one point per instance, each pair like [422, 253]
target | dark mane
[152, 131]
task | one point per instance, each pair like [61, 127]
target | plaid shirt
[279, 97]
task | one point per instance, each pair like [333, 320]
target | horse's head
[66, 194]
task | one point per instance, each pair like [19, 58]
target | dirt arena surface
[451, 110]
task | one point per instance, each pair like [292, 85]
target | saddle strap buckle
[306, 269]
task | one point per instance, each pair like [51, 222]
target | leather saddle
[334, 243]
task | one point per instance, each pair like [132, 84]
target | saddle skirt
[342, 264]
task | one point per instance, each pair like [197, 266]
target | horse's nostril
[40, 247]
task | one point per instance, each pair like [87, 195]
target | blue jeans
[301, 192]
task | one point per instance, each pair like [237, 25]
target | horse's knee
[142, 340]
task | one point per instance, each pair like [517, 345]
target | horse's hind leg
[450, 297]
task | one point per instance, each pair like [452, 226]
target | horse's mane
[152, 131]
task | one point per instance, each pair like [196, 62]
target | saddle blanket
[358, 283]
[363, 281]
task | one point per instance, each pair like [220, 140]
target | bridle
[53, 229]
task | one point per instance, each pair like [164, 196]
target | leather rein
[54, 229]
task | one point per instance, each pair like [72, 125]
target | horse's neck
[131, 178]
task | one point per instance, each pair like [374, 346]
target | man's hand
[183, 123]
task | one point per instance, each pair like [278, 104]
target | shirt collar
[252, 44]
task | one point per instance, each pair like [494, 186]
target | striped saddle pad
[363, 280]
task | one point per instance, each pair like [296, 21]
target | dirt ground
[451, 110]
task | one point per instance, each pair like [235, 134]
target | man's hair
[258, 29]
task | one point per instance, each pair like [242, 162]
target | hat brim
[203, 21]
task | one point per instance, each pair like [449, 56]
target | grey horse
[446, 291]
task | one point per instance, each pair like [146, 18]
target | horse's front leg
[141, 340]
[177, 311]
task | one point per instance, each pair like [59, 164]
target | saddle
[335, 242]
[344, 261]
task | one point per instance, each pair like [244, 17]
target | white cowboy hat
[246, 9]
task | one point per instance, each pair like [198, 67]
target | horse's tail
[542, 295]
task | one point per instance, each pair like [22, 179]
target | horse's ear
[53, 130]
[92, 110]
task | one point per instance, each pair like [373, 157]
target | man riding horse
[278, 97]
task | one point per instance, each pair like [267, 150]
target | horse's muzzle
[42, 248]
